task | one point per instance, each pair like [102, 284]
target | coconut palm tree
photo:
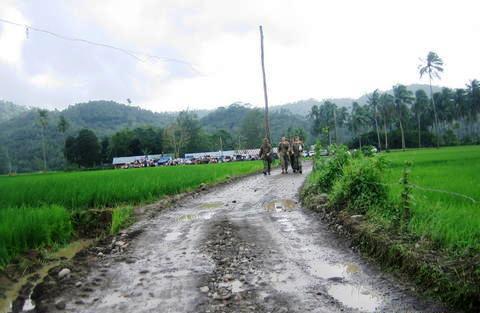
[432, 66]
[386, 108]
[402, 98]
[373, 101]
[419, 107]
[43, 122]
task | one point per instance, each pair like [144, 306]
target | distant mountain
[303, 107]
[10, 110]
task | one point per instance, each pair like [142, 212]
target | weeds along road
[243, 247]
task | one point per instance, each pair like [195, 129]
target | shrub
[330, 169]
[360, 187]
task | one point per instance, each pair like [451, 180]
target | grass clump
[121, 217]
[22, 229]
[360, 186]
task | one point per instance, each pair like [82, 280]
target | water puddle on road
[36, 277]
[356, 297]
[172, 236]
[211, 205]
[281, 205]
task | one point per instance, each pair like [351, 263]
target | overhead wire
[132, 53]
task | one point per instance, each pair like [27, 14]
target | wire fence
[452, 193]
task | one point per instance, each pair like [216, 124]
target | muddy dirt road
[243, 247]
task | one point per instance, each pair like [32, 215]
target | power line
[134, 54]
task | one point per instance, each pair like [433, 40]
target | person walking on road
[283, 154]
[266, 155]
[297, 149]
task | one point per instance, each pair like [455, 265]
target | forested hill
[10, 110]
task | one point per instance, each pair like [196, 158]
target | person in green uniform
[266, 155]
[297, 148]
[283, 154]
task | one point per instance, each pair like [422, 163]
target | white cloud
[46, 80]
[11, 37]
[316, 49]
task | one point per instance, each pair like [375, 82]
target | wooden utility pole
[267, 122]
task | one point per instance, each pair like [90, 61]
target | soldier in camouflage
[297, 149]
[283, 154]
[266, 155]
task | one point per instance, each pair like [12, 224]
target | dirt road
[243, 247]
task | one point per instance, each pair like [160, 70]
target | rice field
[446, 203]
[35, 210]
[109, 188]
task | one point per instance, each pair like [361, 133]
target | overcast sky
[318, 49]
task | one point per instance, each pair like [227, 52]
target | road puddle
[286, 224]
[13, 290]
[187, 218]
[333, 271]
[357, 297]
[172, 236]
[211, 205]
[281, 205]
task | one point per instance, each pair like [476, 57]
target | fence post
[406, 196]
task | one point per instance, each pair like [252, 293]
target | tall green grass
[113, 187]
[22, 229]
[121, 217]
[35, 209]
[451, 220]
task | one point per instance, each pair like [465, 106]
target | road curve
[247, 246]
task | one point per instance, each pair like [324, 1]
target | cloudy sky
[318, 49]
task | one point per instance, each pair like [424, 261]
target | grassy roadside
[42, 211]
[424, 235]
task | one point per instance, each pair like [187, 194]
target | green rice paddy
[35, 209]
[446, 203]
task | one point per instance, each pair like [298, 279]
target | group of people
[289, 153]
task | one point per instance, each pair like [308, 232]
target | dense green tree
[252, 129]
[87, 148]
[432, 66]
[358, 120]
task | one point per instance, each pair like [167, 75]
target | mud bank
[455, 280]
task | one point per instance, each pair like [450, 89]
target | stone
[60, 305]
[357, 218]
[64, 273]
[204, 289]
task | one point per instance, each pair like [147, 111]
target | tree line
[403, 118]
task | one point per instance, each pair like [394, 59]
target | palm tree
[358, 120]
[386, 108]
[473, 93]
[402, 97]
[43, 121]
[419, 108]
[373, 103]
[433, 66]
[62, 127]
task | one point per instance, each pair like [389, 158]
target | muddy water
[243, 247]
[13, 288]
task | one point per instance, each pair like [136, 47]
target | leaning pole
[267, 123]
